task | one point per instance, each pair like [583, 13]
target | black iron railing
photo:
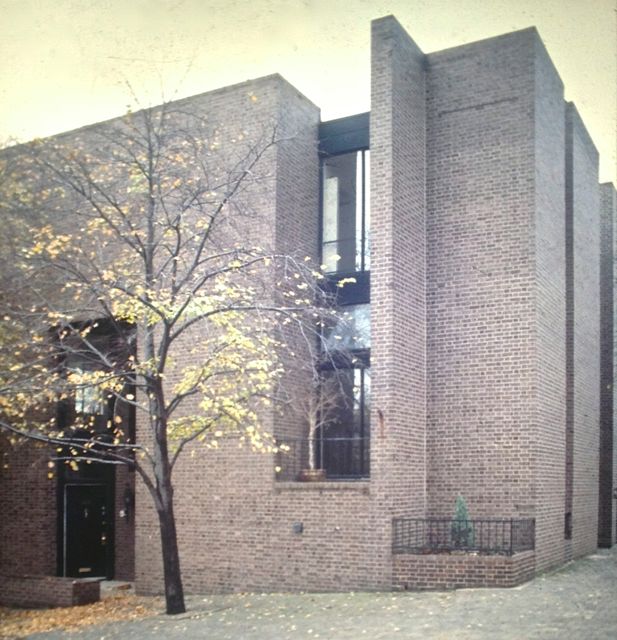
[341, 458]
[504, 536]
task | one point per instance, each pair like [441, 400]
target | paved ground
[578, 602]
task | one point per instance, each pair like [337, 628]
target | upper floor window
[346, 212]
[93, 357]
[89, 399]
[351, 331]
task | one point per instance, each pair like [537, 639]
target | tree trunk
[174, 592]
[311, 448]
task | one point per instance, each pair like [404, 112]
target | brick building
[466, 207]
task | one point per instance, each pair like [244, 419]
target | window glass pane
[340, 196]
[357, 401]
[343, 445]
[361, 449]
[330, 204]
[346, 212]
[89, 400]
[339, 384]
[330, 221]
[359, 212]
[367, 210]
[353, 329]
[330, 257]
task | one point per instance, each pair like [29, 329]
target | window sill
[358, 486]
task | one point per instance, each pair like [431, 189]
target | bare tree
[316, 402]
[145, 246]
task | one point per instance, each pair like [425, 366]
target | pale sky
[67, 63]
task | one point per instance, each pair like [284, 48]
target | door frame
[105, 480]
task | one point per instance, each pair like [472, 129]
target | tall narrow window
[346, 215]
[343, 443]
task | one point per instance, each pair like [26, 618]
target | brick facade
[29, 504]
[28, 508]
[582, 203]
[461, 571]
[47, 591]
[607, 511]
[398, 269]
[468, 299]
[485, 345]
[548, 235]
[481, 340]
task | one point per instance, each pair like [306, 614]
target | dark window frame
[336, 138]
[339, 137]
[66, 410]
[364, 232]
[360, 437]
[348, 360]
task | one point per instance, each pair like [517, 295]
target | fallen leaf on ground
[20, 623]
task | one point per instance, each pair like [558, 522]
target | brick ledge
[48, 591]
[445, 571]
[360, 486]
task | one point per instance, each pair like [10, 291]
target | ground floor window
[343, 441]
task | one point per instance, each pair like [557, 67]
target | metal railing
[504, 536]
[341, 458]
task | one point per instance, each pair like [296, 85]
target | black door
[88, 546]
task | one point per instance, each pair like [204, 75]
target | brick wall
[468, 333]
[547, 234]
[480, 276]
[28, 503]
[496, 283]
[238, 533]
[210, 485]
[486, 239]
[585, 228]
[445, 571]
[46, 591]
[28, 507]
[607, 526]
[398, 276]
[614, 384]
[296, 233]
[236, 529]
[235, 524]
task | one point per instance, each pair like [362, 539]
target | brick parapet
[47, 591]
[445, 571]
